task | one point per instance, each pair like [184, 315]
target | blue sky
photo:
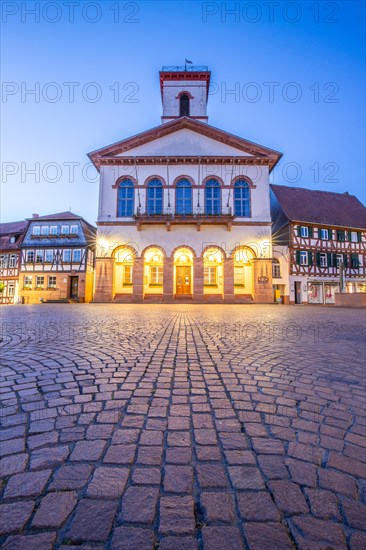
[295, 69]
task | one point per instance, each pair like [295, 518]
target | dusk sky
[295, 71]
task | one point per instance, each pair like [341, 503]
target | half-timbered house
[57, 259]
[319, 241]
[10, 237]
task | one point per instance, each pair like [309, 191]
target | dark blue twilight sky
[295, 71]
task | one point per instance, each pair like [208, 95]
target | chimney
[35, 215]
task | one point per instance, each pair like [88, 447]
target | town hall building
[184, 208]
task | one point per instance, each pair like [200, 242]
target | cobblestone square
[182, 427]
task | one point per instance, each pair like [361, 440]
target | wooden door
[183, 280]
[74, 287]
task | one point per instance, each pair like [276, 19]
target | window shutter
[310, 258]
[298, 257]
[349, 235]
[334, 260]
[330, 234]
[354, 261]
[310, 232]
[299, 230]
[345, 260]
[329, 259]
[359, 237]
[318, 258]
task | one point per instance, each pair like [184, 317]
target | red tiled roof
[321, 207]
[13, 227]
[59, 216]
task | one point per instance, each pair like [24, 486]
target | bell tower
[184, 92]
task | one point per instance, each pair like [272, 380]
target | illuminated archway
[213, 271]
[124, 257]
[243, 270]
[153, 270]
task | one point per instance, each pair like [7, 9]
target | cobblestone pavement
[182, 427]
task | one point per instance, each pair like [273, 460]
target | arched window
[125, 198]
[241, 199]
[184, 105]
[183, 197]
[154, 197]
[212, 197]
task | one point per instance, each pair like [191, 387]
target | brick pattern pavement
[182, 428]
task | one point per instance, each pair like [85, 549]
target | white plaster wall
[198, 91]
[257, 174]
[184, 142]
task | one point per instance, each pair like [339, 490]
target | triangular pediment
[184, 137]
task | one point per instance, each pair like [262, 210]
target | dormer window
[184, 105]
[36, 230]
[12, 240]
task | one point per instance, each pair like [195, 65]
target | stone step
[123, 298]
[212, 298]
[153, 298]
[60, 301]
[243, 299]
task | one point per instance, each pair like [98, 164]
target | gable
[184, 142]
[184, 137]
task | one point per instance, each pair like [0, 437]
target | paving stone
[125, 437]
[14, 516]
[12, 433]
[355, 513]
[54, 509]
[302, 473]
[211, 475]
[146, 476]
[99, 431]
[28, 484]
[218, 506]
[178, 455]
[41, 458]
[257, 506]
[178, 479]
[97, 513]
[13, 464]
[151, 456]
[176, 515]
[139, 505]
[246, 477]
[88, 450]
[323, 504]
[315, 529]
[208, 453]
[337, 482]
[70, 477]
[358, 541]
[178, 543]
[132, 538]
[12, 446]
[44, 541]
[41, 440]
[222, 537]
[108, 482]
[267, 535]
[120, 454]
[288, 497]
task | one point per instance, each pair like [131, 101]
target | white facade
[238, 227]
